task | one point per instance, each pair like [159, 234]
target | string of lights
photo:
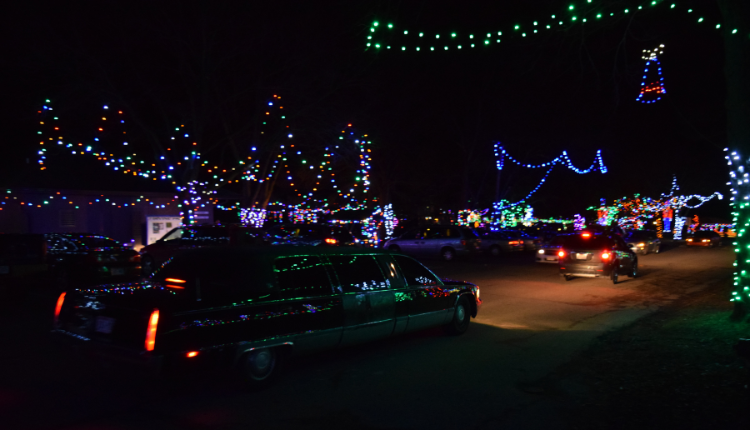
[386, 37]
[501, 154]
[738, 182]
[76, 202]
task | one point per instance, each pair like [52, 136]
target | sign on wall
[158, 226]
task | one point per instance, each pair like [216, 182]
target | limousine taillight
[153, 321]
[58, 307]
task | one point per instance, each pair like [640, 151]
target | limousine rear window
[302, 276]
[222, 276]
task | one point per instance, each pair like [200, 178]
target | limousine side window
[358, 273]
[302, 277]
[415, 273]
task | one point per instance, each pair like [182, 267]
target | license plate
[4, 270]
[117, 271]
[104, 324]
[582, 256]
[551, 258]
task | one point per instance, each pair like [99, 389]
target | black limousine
[250, 308]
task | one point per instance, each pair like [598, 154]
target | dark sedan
[704, 238]
[88, 258]
[596, 255]
[250, 308]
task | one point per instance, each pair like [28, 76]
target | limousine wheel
[461, 317]
[259, 366]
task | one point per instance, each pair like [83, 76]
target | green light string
[386, 37]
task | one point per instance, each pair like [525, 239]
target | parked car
[311, 235]
[250, 308]
[528, 242]
[83, 258]
[643, 241]
[200, 236]
[498, 242]
[704, 238]
[547, 253]
[596, 255]
[444, 241]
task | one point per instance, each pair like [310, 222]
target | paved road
[492, 377]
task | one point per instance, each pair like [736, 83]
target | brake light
[586, 235]
[605, 255]
[135, 259]
[561, 253]
[175, 280]
[191, 354]
[463, 242]
[330, 241]
[58, 307]
[153, 320]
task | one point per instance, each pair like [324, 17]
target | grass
[675, 368]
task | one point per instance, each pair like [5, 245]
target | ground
[675, 368]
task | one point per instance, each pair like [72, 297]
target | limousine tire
[259, 367]
[461, 317]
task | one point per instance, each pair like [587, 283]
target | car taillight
[561, 253]
[135, 259]
[513, 242]
[463, 242]
[605, 255]
[153, 320]
[191, 354]
[330, 241]
[58, 307]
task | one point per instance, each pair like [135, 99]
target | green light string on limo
[385, 37]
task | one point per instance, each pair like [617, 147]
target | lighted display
[652, 86]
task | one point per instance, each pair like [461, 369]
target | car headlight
[705, 240]
[690, 240]
[541, 251]
[641, 245]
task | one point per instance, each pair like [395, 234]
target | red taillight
[463, 242]
[191, 354]
[175, 280]
[153, 320]
[135, 259]
[561, 253]
[586, 235]
[513, 242]
[606, 255]
[58, 307]
[330, 241]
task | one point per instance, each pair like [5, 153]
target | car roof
[266, 252]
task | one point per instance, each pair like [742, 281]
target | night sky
[433, 116]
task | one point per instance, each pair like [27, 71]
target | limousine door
[309, 311]
[369, 305]
[429, 302]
